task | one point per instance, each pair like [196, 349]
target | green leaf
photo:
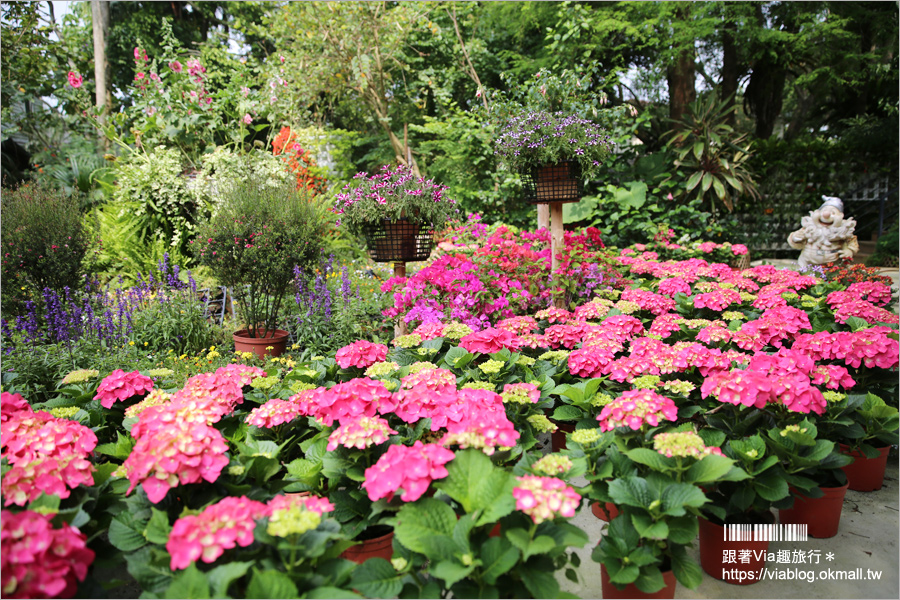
[221, 577]
[706, 181]
[540, 583]
[771, 487]
[651, 458]
[567, 412]
[478, 485]
[682, 530]
[376, 578]
[693, 180]
[190, 583]
[631, 491]
[709, 468]
[326, 592]
[270, 584]
[498, 557]
[686, 571]
[125, 533]
[451, 571]
[648, 528]
[121, 449]
[425, 519]
[158, 528]
[678, 495]
[718, 187]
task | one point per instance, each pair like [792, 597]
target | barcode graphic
[788, 532]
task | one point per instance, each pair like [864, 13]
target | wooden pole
[557, 243]
[400, 271]
[543, 215]
[99, 25]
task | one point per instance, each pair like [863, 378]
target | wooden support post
[543, 215]
[557, 243]
[400, 271]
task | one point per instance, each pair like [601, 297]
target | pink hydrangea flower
[635, 408]
[38, 561]
[410, 468]
[749, 388]
[358, 397]
[655, 304]
[361, 354]
[592, 310]
[590, 360]
[518, 325]
[180, 453]
[554, 315]
[221, 526]
[10, 404]
[119, 386]
[241, 374]
[683, 444]
[478, 420]
[523, 391]
[739, 249]
[273, 413]
[311, 503]
[567, 336]
[674, 285]
[429, 331]
[489, 341]
[51, 475]
[545, 498]
[360, 432]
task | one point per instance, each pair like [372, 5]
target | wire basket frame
[553, 183]
[398, 241]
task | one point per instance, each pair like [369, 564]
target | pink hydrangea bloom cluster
[221, 526]
[489, 341]
[46, 454]
[595, 309]
[521, 393]
[311, 503]
[426, 394]
[635, 408]
[772, 328]
[429, 331]
[11, 404]
[655, 304]
[518, 325]
[242, 374]
[553, 315]
[674, 285]
[360, 432]
[665, 325]
[119, 386]
[38, 561]
[717, 300]
[478, 420]
[870, 347]
[846, 304]
[545, 498]
[361, 354]
[219, 393]
[273, 413]
[358, 397]
[410, 468]
[566, 336]
[877, 293]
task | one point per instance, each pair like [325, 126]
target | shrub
[44, 242]
[258, 234]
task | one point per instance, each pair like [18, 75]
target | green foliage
[256, 239]
[44, 242]
[178, 324]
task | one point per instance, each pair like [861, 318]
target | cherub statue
[826, 235]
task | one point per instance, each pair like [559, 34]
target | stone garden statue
[826, 235]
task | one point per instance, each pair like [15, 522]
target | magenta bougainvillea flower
[489, 341]
[545, 498]
[635, 408]
[38, 561]
[221, 526]
[410, 468]
[360, 432]
[119, 386]
[361, 354]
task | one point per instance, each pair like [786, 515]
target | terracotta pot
[609, 589]
[865, 474]
[821, 515]
[276, 339]
[495, 530]
[605, 512]
[379, 547]
[558, 437]
[713, 550]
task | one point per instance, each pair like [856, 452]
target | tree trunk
[680, 74]
[100, 24]
[730, 70]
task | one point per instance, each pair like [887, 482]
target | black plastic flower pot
[398, 240]
[560, 182]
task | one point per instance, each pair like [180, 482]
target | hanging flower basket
[560, 182]
[398, 240]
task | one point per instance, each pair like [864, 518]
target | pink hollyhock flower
[38, 561]
[635, 408]
[119, 386]
[75, 79]
[361, 354]
[140, 55]
[10, 404]
[183, 452]
[489, 341]
[360, 432]
[221, 526]
[175, 66]
[247, 119]
[410, 468]
[545, 498]
[273, 413]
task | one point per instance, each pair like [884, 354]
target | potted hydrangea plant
[553, 152]
[258, 233]
[395, 211]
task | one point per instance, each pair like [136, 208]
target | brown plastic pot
[822, 516]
